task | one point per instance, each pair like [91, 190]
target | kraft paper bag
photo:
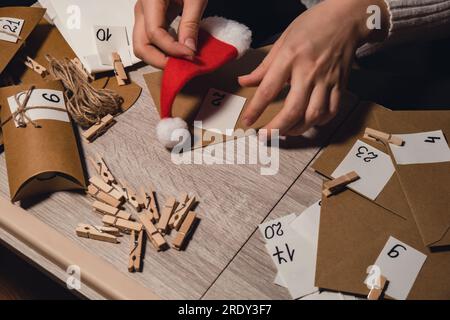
[353, 230]
[43, 159]
[391, 196]
[46, 39]
[426, 185]
[31, 17]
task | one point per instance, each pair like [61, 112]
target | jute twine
[86, 104]
[20, 116]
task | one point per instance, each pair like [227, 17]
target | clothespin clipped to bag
[136, 250]
[335, 185]
[167, 211]
[98, 194]
[375, 293]
[123, 225]
[153, 234]
[181, 211]
[100, 184]
[375, 135]
[103, 170]
[185, 229]
[119, 70]
[99, 128]
[106, 209]
[91, 232]
[81, 68]
[36, 67]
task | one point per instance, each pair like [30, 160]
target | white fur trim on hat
[169, 131]
[229, 31]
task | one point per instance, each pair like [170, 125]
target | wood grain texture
[251, 273]
[234, 199]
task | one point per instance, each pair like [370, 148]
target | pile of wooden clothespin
[110, 197]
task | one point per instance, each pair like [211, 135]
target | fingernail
[190, 43]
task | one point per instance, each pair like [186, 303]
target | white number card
[400, 264]
[10, 29]
[374, 168]
[109, 39]
[42, 98]
[220, 111]
[423, 147]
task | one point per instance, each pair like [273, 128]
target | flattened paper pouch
[40, 147]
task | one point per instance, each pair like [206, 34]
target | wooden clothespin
[121, 190]
[136, 201]
[91, 232]
[169, 208]
[180, 213]
[335, 185]
[98, 194]
[119, 70]
[100, 184]
[153, 234]
[184, 231]
[36, 67]
[150, 204]
[122, 224]
[136, 250]
[99, 128]
[375, 135]
[375, 293]
[106, 209]
[103, 170]
[111, 230]
[81, 68]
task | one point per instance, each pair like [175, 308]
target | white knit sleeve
[410, 20]
[413, 20]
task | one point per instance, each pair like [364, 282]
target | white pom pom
[229, 31]
[170, 130]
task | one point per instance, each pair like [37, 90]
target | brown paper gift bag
[392, 196]
[353, 231]
[39, 160]
[46, 39]
[427, 186]
[31, 17]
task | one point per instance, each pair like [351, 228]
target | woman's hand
[314, 55]
[152, 42]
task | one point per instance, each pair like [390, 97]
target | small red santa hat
[219, 41]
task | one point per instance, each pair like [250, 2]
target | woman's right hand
[152, 42]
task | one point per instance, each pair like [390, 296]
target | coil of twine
[86, 104]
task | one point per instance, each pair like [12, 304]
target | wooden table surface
[233, 201]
